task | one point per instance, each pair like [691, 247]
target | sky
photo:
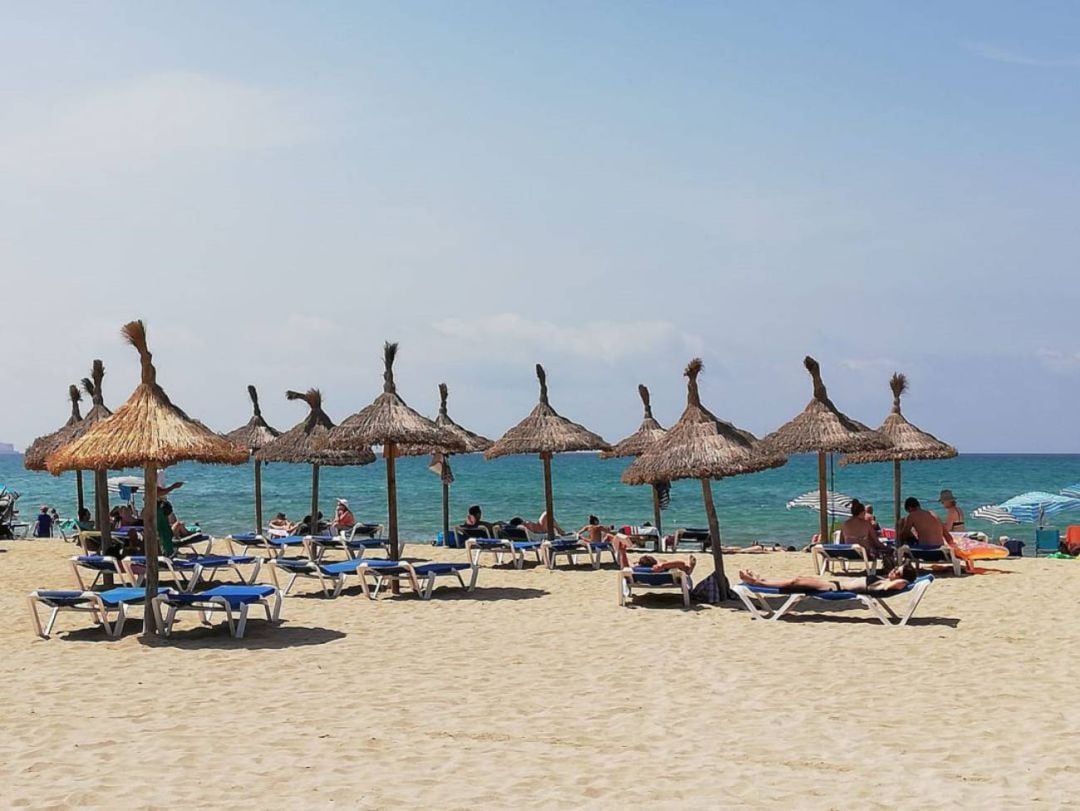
[609, 189]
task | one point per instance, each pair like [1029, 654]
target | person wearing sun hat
[343, 516]
[954, 516]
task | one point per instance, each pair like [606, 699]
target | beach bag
[706, 591]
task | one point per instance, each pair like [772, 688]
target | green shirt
[165, 536]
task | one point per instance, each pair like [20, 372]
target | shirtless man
[896, 580]
[921, 526]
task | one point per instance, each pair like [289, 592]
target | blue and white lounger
[643, 577]
[571, 546]
[420, 576]
[331, 576]
[756, 599]
[249, 542]
[189, 541]
[100, 565]
[828, 555]
[924, 553]
[187, 570]
[475, 547]
[99, 604]
[225, 599]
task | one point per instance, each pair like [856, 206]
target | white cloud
[146, 119]
[998, 54]
[513, 335]
[1057, 361]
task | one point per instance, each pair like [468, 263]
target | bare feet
[749, 577]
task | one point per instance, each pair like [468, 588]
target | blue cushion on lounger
[647, 577]
[235, 596]
[342, 566]
[245, 537]
[440, 568]
[96, 562]
[845, 550]
[57, 597]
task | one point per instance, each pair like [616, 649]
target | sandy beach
[539, 690]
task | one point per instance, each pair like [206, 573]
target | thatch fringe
[256, 433]
[473, 443]
[642, 440]
[390, 420]
[700, 445]
[545, 431]
[148, 428]
[34, 456]
[909, 443]
[822, 427]
[306, 442]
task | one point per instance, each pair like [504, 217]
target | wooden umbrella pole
[549, 497]
[823, 499]
[446, 513]
[896, 498]
[390, 451]
[101, 518]
[714, 538]
[313, 525]
[258, 498]
[79, 492]
[150, 541]
[656, 510]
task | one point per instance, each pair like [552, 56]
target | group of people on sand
[344, 519]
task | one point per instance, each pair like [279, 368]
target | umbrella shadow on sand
[259, 636]
[664, 601]
[480, 594]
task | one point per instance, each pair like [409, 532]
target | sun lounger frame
[757, 602]
[207, 604]
[628, 582]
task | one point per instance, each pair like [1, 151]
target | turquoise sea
[751, 508]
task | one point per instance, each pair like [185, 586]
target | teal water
[751, 508]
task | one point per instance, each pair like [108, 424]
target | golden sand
[539, 690]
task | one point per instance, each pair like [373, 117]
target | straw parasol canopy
[256, 432]
[641, 441]
[909, 443]
[252, 436]
[147, 431]
[34, 457]
[702, 446]
[305, 443]
[822, 428]
[389, 422]
[546, 433]
[474, 443]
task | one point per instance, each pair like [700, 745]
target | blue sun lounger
[331, 576]
[100, 565]
[99, 604]
[187, 570]
[249, 542]
[919, 553]
[827, 555]
[756, 600]
[570, 546]
[420, 576]
[225, 599]
[643, 577]
[474, 547]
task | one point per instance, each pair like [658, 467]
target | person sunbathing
[922, 526]
[667, 565]
[281, 523]
[896, 580]
[343, 516]
[594, 532]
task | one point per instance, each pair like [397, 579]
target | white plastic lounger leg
[684, 584]
[625, 592]
[241, 625]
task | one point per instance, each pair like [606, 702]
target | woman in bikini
[954, 516]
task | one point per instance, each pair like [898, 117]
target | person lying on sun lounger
[667, 565]
[896, 580]
[595, 532]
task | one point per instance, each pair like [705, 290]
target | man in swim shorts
[896, 580]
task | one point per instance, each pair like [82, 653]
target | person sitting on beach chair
[281, 523]
[474, 522]
[897, 579]
[343, 516]
[921, 526]
[595, 533]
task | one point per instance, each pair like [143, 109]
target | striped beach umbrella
[1036, 506]
[837, 504]
[1073, 491]
[994, 515]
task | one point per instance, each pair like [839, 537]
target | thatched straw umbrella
[474, 443]
[252, 436]
[305, 444]
[908, 443]
[546, 433]
[640, 442]
[147, 431]
[701, 446]
[389, 422]
[821, 428]
[34, 458]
